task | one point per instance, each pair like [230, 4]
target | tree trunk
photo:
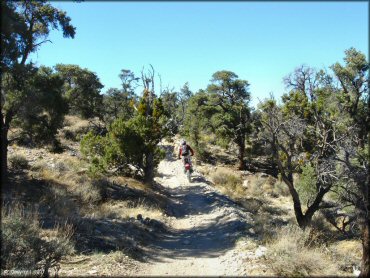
[365, 262]
[302, 220]
[149, 168]
[241, 145]
[4, 151]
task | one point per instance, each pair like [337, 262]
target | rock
[155, 224]
[139, 217]
[261, 250]
[147, 220]
[356, 271]
[263, 175]
[98, 231]
[186, 242]
[246, 183]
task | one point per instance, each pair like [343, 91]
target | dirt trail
[205, 236]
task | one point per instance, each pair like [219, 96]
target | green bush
[306, 185]
[127, 142]
[201, 152]
[18, 162]
[26, 247]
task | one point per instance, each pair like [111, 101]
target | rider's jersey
[188, 148]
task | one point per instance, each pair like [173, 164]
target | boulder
[246, 183]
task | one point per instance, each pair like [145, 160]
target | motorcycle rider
[186, 152]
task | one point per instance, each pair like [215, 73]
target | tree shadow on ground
[209, 240]
[132, 236]
[56, 206]
[195, 199]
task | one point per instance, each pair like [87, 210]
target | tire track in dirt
[201, 238]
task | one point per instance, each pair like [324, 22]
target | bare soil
[209, 234]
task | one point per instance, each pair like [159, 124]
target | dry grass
[229, 182]
[115, 263]
[63, 192]
[26, 247]
[347, 254]
[131, 182]
[128, 209]
[72, 192]
[257, 194]
[60, 203]
[292, 253]
[74, 128]
[18, 162]
[281, 188]
[233, 184]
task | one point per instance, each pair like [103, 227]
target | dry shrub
[281, 188]
[128, 209]
[60, 203]
[69, 190]
[293, 254]
[39, 166]
[120, 180]
[259, 185]
[89, 192]
[228, 182]
[262, 227]
[18, 162]
[204, 170]
[61, 167]
[28, 249]
[322, 231]
[47, 175]
[347, 254]
[255, 187]
[119, 257]
[75, 128]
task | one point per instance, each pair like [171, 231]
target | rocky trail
[209, 234]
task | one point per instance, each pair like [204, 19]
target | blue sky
[187, 42]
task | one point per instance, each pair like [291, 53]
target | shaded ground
[202, 235]
[202, 232]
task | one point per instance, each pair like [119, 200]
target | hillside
[225, 222]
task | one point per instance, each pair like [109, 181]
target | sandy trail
[201, 238]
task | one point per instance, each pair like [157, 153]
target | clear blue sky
[186, 41]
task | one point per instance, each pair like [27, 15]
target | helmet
[183, 142]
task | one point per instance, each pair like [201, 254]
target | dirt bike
[188, 169]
